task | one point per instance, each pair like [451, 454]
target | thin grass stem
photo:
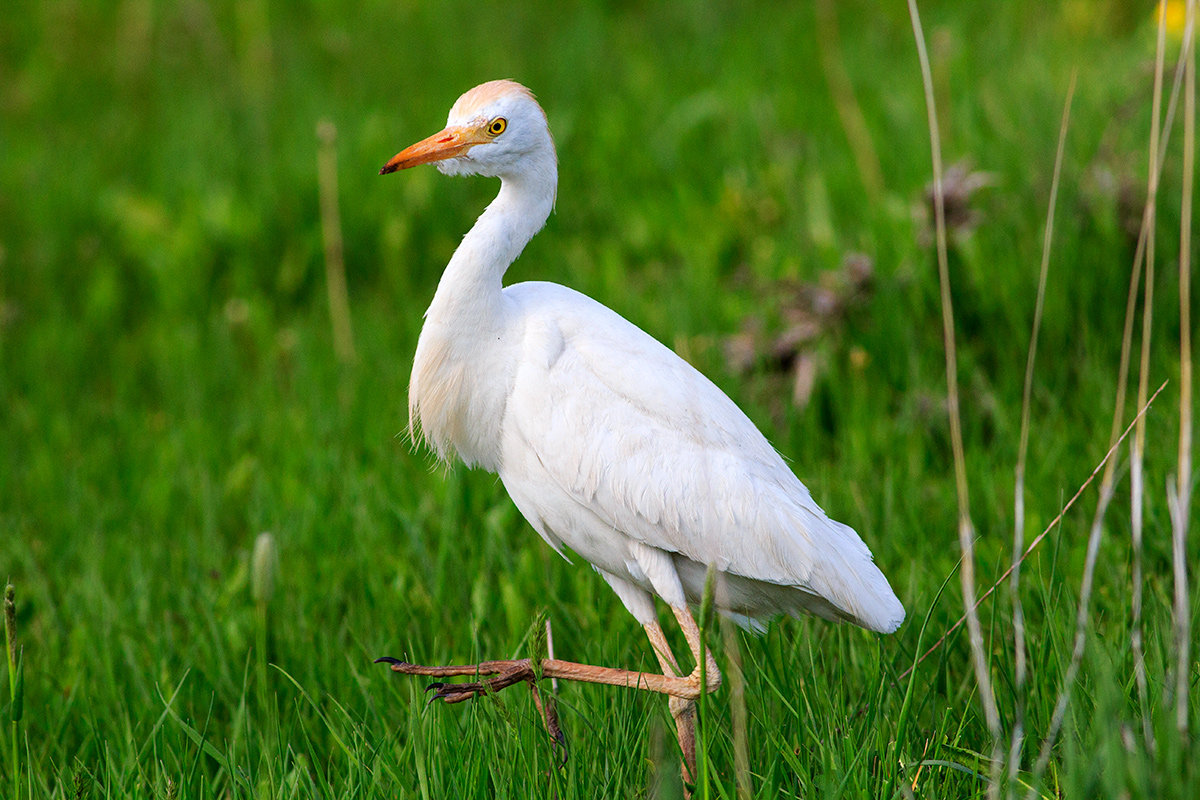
[1018, 732]
[966, 530]
[1137, 460]
[1038, 539]
[16, 676]
[1181, 500]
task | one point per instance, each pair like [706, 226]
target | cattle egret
[609, 444]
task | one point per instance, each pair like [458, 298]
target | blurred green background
[169, 390]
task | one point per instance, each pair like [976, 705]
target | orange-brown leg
[682, 690]
[682, 711]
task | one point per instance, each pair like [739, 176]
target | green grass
[168, 388]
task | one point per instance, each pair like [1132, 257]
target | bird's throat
[461, 368]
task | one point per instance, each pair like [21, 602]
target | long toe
[684, 713]
[458, 692]
[455, 692]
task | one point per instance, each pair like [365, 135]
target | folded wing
[652, 447]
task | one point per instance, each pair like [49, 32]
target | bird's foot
[507, 673]
[684, 714]
[550, 717]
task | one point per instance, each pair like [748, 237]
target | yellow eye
[497, 127]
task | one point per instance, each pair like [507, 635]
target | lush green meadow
[169, 388]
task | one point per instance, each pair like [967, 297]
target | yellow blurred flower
[1176, 16]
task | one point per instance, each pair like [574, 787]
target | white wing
[655, 450]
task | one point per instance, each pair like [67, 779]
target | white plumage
[608, 442]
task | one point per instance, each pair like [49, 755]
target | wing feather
[654, 449]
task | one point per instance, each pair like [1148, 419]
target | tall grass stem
[966, 530]
[1104, 462]
[1018, 731]
[331, 228]
[1181, 505]
[737, 703]
[16, 681]
[1137, 461]
[706, 614]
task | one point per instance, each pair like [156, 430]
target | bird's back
[608, 433]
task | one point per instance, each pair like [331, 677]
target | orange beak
[451, 142]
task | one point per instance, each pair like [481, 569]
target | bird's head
[496, 129]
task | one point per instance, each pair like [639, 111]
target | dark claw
[388, 660]
[454, 692]
[559, 748]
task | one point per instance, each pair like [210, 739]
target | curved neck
[473, 278]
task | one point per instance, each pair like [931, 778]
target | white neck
[464, 368]
[472, 281]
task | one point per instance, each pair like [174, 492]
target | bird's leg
[682, 690]
[691, 631]
[682, 711]
[550, 717]
[512, 672]
[507, 674]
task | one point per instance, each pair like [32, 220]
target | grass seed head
[10, 627]
[266, 564]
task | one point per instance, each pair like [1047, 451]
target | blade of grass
[966, 532]
[736, 678]
[162, 718]
[201, 741]
[1038, 540]
[1018, 732]
[328, 725]
[1137, 476]
[1181, 502]
[906, 704]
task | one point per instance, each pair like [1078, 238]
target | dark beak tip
[387, 168]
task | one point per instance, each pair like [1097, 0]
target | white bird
[610, 444]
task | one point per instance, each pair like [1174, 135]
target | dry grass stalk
[1137, 461]
[1018, 733]
[1180, 499]
[1104, 463]
[966, 530]
[1106, 486]
[1160, 142]
[1081, 621]
[331, 228]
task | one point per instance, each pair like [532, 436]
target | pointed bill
[449, 143]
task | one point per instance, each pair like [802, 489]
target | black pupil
[497, 127]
